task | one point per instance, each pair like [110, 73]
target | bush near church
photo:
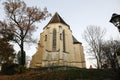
[9, 69]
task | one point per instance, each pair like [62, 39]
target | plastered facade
[66, 52]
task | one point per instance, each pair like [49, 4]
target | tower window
[54, 40]
[45, 37]
[60, 36]
[64, 49]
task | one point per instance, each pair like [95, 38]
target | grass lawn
[66, 74]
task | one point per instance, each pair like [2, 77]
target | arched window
[54, 40]
[64, 49]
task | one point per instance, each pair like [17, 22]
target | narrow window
[64, 49]
[60, 36]
[45, 37]
[54, 40]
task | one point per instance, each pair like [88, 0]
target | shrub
[9, 69]
[20, 69]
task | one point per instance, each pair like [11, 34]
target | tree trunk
[22, 53]
[98, 65]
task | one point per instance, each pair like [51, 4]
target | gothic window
[54, 40]
[64, 49]
[45, 37]
[60, 36]
[60, 28]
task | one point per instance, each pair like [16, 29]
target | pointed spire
[57, 19]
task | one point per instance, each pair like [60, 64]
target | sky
[79, 14]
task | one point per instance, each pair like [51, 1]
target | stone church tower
[57, 46]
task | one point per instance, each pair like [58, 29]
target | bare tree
[20, 22]
[111, 51]
[93, 35]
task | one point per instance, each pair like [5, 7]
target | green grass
[83, 74]
[70, 74]
[80, 74]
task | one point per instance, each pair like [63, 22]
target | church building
[58, 47]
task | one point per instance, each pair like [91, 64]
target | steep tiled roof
[57, 19]
[75, 41]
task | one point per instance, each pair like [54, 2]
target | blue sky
[78, 14]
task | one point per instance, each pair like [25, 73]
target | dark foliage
[6, 51]
[9, 69]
